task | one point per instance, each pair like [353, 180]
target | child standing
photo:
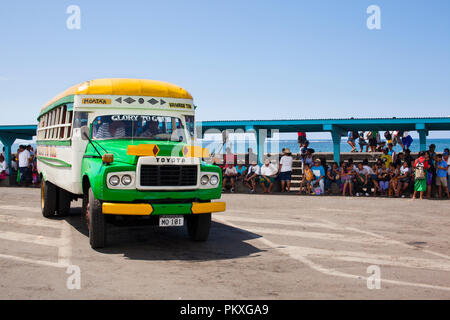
[420, 175]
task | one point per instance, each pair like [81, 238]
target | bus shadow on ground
[173, 243]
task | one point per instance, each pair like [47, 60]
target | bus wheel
[198, 226]
[48, 199]
[96, 222]
[63, 202]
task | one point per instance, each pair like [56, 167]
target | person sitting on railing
[229, 157]
[362, 141]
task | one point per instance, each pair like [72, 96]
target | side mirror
[84, 132]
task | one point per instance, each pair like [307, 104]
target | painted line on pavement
[298, 255]
[32, 261]
[30, 221]
[30, 238]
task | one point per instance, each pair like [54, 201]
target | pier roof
[340, 124]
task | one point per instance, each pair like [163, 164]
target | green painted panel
[54, 142]
[163, 209]
[54, 162]
[68, 99]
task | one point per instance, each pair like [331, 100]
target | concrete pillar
[7, 142]
[260, 135]
[423, 140]
[336, 136]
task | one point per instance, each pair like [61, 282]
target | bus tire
[48, 199]
[64, 200]
[198, 226]
[97, 223]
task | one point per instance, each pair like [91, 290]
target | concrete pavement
[262, 247]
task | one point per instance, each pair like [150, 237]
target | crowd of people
[23, 164]
[371, 140]
[393, 174]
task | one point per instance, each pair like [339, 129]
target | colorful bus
[126, 147]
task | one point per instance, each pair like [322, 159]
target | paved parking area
[262, 247]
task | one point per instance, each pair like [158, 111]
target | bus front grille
[168, 175]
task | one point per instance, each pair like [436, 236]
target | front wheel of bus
[48, 198]
[198, 226]
[96, 221]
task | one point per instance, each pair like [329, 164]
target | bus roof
[118, 86]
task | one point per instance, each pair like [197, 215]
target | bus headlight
[121, 180]
[126, 179]
[114, 180]
[204, 180]
[214, 180]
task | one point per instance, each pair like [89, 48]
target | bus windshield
[150, 127]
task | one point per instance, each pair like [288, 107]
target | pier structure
[10, 133]
[337, 128]
[263, 129]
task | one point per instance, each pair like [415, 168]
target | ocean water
[325, 145]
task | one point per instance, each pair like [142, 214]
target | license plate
[171, 221]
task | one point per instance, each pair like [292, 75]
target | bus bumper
[145, 209]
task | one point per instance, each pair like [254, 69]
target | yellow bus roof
[117, 86]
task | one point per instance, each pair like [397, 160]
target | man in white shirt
[286, 170]
[230, 174]
[253, 173]
[24, 162]
[268, 174]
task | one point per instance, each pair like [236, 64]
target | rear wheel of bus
[95, 220]
[48, 198]
[198, 226]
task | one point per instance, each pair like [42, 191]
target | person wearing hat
[286, 170]
[229, 175]
[253, 173]
[268, 174]
[319, 173]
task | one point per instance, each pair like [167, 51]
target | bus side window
[69, 128]
[80, 119]
[62, 121]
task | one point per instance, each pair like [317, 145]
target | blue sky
[239, 59]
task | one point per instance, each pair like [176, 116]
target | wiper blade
[90, 141]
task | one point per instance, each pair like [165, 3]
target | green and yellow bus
[127, 148]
